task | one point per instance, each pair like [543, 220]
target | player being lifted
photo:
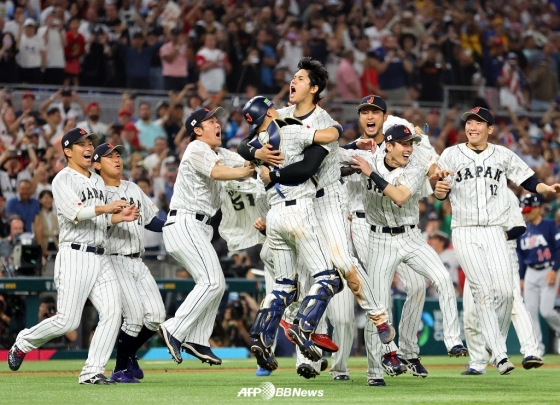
[474, 175]
[142, 306]
[82, 269]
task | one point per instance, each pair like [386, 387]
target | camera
[51, 310]
[237, 311]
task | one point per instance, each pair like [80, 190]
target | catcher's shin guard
[272, 307]
[327, 284]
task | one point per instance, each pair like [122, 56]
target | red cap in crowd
[92, 104]
[28, 94]
[129, 126]
[124, 112]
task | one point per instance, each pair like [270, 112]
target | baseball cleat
[324, 364]
[98, 379]
[304, 342]
[15, 358]
[173, 345]
[530, 362]
[261, 372]
[322, 341]
[471, 371]
[341, 377]
[203, 353]
[505, 366]
[386, 332]
[392, 364]
[265, 357]
[376, 382]
[123, 377]
[458, 351]
[307, 371]
[134, 368]
[286, 326]
[415, 367]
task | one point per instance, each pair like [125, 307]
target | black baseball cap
[400, 133]
[530, 201]
[75, 135]
[199, 115]
[481, 113]
[104, 149]
[372, 101]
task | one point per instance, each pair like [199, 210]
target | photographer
[47, 309]
[7, 339]
[236, 325]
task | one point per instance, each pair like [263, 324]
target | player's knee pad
[313, 306]
[273, 306]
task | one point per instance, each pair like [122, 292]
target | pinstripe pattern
[489, 273]
[141, 300]
[239, 211]
[187, 240]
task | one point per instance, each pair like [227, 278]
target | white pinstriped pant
[386, 253]
[414, 285]
[519, 316]
[483, 254]
[141, 300]
[78, 276]
[187, 240]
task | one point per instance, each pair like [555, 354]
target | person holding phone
[8, 66]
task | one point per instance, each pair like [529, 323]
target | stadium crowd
[505, 55]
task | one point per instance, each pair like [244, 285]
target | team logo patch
[110, 145]
[83, 131]
[370, 100]
[248, 117]
[406, 130]
[207, 110]
[475, 110]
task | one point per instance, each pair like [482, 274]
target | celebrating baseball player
[187, 233]
[474, 175]
[82, 269]
[142, 306]
[393, 181]
[539, 260]
[519, 316]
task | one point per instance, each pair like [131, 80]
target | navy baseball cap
[530, 201]
[255, 110]
[373, 101]
[104, 149]
[481, 113]
[76, 135]
[199, 115]
[400, 133]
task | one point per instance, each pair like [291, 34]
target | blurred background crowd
[131, 71]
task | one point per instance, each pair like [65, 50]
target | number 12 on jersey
[494, 189]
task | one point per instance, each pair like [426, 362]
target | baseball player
[142, 306]
[82, 270]
[187, 234]
[393, 181]
[519, 315]
[292, 231]
[539, 259]
[475, 177]
[372, 117]
[331, 206]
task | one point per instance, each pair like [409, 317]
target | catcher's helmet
[255, 109]
[530, 201]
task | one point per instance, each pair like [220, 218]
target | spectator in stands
[11, 126]
[89, 23]
[70, 106]
[73, 52]
[543, 83]
[172, 123]
[123, 117]
[207, 25]
[213, 65]
[138, 57]
[7, 336]
[290, 49]
[53, 128]
[156, 73]
[431, 68]
[8, 64]
[348, 86]
[44, 174]
[95, 66]
[12, 175]
[92, 122]
[148, 130]
[129, 137]
[31, 57]
[492, 65]
[54, 38]
[154, 240]
[154, 161]
[439, 241]
[46, 224]
[237, 47]
[15, 228]
[165, 182]
[24, 205]
[268, 61]
[173, 56]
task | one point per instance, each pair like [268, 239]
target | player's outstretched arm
[328, 135]
[266, 154]
[128, 214]
[301, 171]
[229, 173]
[91, 212]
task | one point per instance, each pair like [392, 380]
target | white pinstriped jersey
[380, 209]
[355, 189]
[515, 217]
[127, 238]
[479, 194]
[239, 212]
[194, 190]
[329, 171]
[73, 191]
[295, 138]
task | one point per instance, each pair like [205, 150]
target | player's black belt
[360, 214]
[132, 255]
[89, 249]
[540, 266]
[320, 193]
[291, 202]
[199, 217]
[393, 231]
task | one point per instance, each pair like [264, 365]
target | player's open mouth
[370, 125]
[292, 90]
[219, 134]
[88, 157]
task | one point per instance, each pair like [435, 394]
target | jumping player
[187, 233]
[142, 306]
[82, 269]
[474, 175]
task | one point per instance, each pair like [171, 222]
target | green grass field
[56, 382]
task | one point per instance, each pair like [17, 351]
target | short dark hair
[318, 75]
[145, 180]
